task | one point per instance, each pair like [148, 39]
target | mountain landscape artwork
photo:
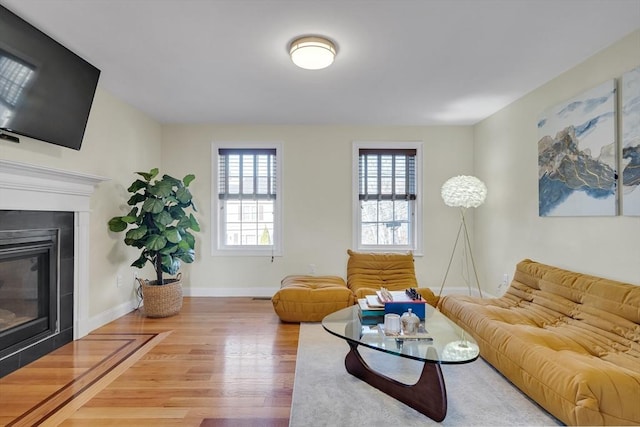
[577, 171]
[630, 93]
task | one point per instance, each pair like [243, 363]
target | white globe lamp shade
[464, 192]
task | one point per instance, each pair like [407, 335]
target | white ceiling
[399, 62]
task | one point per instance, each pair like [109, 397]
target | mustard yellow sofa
[310, 298]
[570, 341]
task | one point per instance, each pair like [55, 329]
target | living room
[500, 149]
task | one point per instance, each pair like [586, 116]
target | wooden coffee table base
[428, 395]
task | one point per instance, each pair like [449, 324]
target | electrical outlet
[119, 280]
[312, 269]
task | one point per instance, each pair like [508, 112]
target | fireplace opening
[29, 290]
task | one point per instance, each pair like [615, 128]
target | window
[248, 199]
[386, 196]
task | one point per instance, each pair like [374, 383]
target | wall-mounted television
[46, 90]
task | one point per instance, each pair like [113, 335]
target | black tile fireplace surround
[64, 223]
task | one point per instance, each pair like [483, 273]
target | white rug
[325, 394]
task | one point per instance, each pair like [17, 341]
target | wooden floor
[220, 362]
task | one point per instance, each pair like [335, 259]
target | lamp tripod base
[467, 247]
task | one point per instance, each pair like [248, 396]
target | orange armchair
[369, 272]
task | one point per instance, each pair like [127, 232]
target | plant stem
[158, 268]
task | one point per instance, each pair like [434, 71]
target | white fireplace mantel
[30, 187]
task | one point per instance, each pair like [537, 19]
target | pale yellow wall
[118, 140]
[508, 228]
[317, 199]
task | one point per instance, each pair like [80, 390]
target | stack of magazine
[370, 314]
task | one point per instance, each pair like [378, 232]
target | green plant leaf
[172, 180]
[170, 265]
[155, 242]
[163, 218]
[129, 219]
[177, 212]
[140, 262]
[194, 224]
[171, 199]
[189, 239]
[170, 249]
[184, 222]
[184, 195]
[183, 245]
[188, 256]
[149, 175]
[136, 186]
[161, 189]
[137, 233]
[116, 224]
[136, 198]
[172, 235]
[188, 179]
[153, 205]
[138, 244]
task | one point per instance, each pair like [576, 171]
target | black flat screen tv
[46, 90]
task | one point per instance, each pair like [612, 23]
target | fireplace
[28, 288]
[44, 260]
[36, 285]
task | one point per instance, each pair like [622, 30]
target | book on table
[370, 315]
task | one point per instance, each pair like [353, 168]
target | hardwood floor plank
[221, 361]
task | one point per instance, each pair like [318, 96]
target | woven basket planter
[161, 300]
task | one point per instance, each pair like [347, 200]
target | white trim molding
[30, 187]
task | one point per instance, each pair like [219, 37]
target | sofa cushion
[393, 271]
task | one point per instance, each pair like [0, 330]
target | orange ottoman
[311, 298]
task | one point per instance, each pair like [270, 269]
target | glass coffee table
[438, 341]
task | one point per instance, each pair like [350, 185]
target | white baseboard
[230, 292]
[463, 291]
[108, 316]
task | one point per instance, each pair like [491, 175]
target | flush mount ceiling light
[312, 53]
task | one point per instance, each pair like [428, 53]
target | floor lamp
[463, 192]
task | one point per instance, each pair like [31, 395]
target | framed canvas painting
[630, 167]
[577, 155]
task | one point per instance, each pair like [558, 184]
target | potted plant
[159, 225]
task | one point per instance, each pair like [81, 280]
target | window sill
[390, 249]
[247, 252]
